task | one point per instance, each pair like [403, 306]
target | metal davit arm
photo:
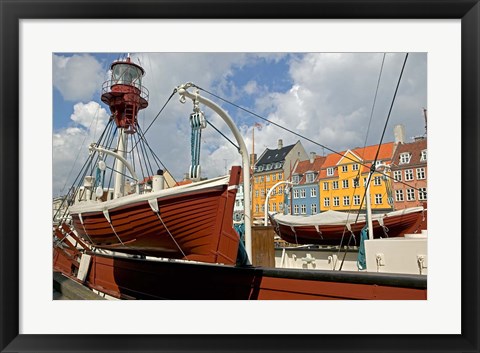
[182, 91]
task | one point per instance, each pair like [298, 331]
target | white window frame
[405, 158]
[325, 185]
[267, 177]
[356, 200]
[377, 180]
[335, 185]
[378, 199]
[303, 209]
[399, 197]
[313, 192]
[326, 202]
[336, 201]
[303, 193]
[355, 167]
[329, 171]
[313, 208]
[346, 201]
[257, 208]
[408, 174]
[345, 183]
[410, 194]
[344, 168]
[295, 193]
[274, 177]
[397, 175]
[421, 193]
[423, 156]
[420, 173]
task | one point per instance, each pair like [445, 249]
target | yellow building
[274, 165]
[343, 178]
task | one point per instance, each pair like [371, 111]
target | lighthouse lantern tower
[124, 94]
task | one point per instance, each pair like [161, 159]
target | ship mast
[125, 96]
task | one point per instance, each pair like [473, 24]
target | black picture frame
[12, 11]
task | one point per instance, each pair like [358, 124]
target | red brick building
[409, 171]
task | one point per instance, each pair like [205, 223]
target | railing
[143, 91]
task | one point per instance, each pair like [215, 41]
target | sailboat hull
[338, 234]
[193, 225]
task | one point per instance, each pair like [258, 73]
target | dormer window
[423, 156]
[310, 177]
[260, 168]
[329, 171]
[296, 179]
[269, 166]
[405, 157]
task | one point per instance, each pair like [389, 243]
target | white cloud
[329, 101]
[77, 77]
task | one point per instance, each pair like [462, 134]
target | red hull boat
[336, 228]
[191, 222]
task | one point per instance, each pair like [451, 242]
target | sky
[326, 97]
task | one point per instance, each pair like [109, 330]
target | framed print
[39, 35]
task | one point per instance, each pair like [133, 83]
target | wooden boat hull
[397, 226]
[194, 225]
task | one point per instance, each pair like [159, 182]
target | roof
[274, 155]
[414, 148]
[303, 167]
[367, 155]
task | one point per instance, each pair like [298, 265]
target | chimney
[399, 134]
[280, 144]
[312, 157]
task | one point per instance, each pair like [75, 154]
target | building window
[256, 193]
[257, 208]
[267, 177]
[314, 208]
[355, 182]
[310, 177]
[295, 193]
[397, 175]
[262, 192]
[399, 195]
[274, 177]
[268, 189]
[356, 200]
[274, 207]
[346, 201]
[303, 193]
[256, 179]
[408, 174]
[280, 206]
[377, 180]
[296, 179]
[280, 176]
[405, 158]
[304, 209]
[336, 201]
[325, 185]
[355, 167]
[345, 183]
[263, 208]
[423, 156]
[295, 209]
[422, 194]
[344, 168]
[420, 173]
[313, 192]
[280, 190]
[365, 181]
[378, 199]
[335, 185]
[410, 194]
[326, 201]
[261, 179]
[274, 192]
[329, 171]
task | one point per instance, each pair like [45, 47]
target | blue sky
[326, 97]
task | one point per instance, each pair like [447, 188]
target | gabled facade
[343, 178]
[409, 170]
[274, 165]
[304, 196]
